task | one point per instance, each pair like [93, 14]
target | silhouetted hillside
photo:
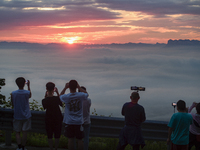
[25, 45]
[183, 43]
[20, 45]
[35, 46]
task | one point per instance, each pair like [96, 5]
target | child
[195, 127]
[53, 118]
[73, 117]
[179, 128]
[22, 113]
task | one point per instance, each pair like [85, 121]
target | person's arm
[81, 89]
[65, 88]
[191, 107]
[143, 116]
[60, 102]
[170, 130]
[29, 89]
[43, 104]
[12, 100]
[89, 101]
[123, 112]
[46, 94]
[56, 90]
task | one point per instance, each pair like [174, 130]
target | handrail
[100, 126]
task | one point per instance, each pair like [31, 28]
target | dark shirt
[134, 114]
[51, 104]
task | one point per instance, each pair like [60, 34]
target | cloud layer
[108, 71]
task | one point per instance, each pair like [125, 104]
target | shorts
[53, 128]
[178, 147]
[131, 135]
[74, 131]
[21, 125]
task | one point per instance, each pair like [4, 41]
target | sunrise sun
[70, 40]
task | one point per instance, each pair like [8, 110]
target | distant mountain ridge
[25, 45]
[183, 42]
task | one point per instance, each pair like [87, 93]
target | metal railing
[100, 126]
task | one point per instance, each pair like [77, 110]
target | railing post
[8, 138]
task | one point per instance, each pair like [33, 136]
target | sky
[99, 21]
[169, 73]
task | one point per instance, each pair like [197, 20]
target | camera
[174, 104]
[136, 88]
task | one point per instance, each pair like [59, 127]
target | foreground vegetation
[96, 143]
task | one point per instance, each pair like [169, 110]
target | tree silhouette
[2, 97]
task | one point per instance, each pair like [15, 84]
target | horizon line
[62, 43]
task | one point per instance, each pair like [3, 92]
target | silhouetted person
[86, 120]
[179, 124]
[73, 116]
[134, 116]
[53, 117]
[22, 113]
[194, 137]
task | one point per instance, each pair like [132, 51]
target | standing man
[53, 115]
[22, 113]
[86, 119]
[73, 116]
[134, 116]
[179, 125]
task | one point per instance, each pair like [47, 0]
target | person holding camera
[179, 125]
[22, 113]
[73, 116]
[134, 116]
[194, 137]
[53, 116]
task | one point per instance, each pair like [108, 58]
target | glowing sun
[71, 40]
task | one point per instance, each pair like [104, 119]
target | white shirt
[86, 111]
[73, 107]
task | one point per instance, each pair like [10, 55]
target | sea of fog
[107, 71]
